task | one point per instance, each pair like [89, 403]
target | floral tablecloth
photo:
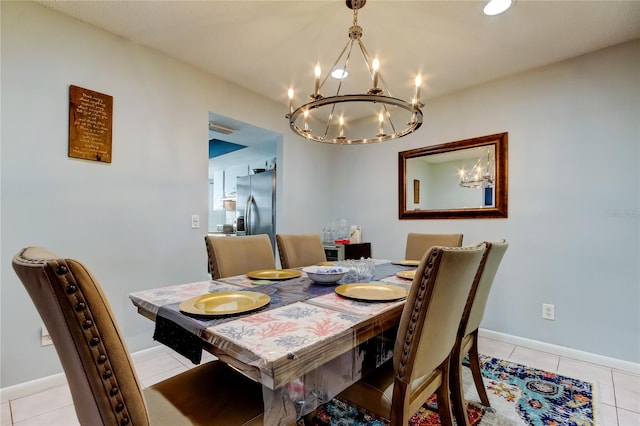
[304, 334]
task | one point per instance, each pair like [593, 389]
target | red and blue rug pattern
[519, 395]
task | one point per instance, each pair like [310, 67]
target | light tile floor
[619, 391]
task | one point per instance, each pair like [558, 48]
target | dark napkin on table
[177, 338]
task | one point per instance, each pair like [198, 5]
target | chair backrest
[300, 250]
[96, 362]
[431, 317]
[474, 310]
[419, 244]
[229, 256]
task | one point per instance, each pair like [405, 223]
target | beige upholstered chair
[101, 376]
[419, 244]
[300, 250]
[426, 335]
[229, 256]
[467, 340]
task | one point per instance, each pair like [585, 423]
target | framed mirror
[464, 179]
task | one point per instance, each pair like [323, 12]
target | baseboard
[614, 363]
[38, 385]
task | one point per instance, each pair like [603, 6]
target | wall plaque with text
[90, 124]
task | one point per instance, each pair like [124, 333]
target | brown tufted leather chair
[101, 376]
[426, 335]
[229, 256]
[300, 250]
[419, 244]
[467, 340]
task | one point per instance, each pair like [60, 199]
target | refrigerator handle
[247, 215]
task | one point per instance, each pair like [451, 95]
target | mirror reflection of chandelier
[359, 117]
[481, 175]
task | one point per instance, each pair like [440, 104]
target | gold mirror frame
[498, 210]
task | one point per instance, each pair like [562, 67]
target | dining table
[306, 345]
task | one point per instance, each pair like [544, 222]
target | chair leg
[457, 388]
[444, 402]
[474, 363]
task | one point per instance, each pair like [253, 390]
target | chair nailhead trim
[84, 318]
[415, 314]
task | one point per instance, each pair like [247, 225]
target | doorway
[236, 149]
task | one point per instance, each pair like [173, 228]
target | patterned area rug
[519, 395]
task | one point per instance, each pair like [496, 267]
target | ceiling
[267, 46]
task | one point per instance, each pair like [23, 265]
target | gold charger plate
[407, 275]
[372, 292]
[406, 262]
[224, 303]
[327, 263]
[274, 274]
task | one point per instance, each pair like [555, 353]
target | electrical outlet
[195, 221]
[548, 312]
[45, 339]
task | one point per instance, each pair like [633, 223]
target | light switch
[195, 221]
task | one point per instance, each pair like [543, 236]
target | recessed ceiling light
[339, 74]
[496, 7]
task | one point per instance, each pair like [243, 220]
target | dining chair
[419, 244]
[467, 339]
[297, 250]
[101, 376]
[229, 256]
[426, 335]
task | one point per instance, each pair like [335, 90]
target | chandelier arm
[366, 57]
[367, 60]
[344, 49]
[393, 127]
[326, 129]
[346, 63]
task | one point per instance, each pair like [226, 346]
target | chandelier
[481, 175]
[354, 115]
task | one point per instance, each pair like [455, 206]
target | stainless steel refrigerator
[256, 202]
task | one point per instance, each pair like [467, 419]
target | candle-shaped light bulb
[290, 93]
[381, 123]
[317, 73]
[376, 67]
[341, 121]
[306, 116]
[418, 84]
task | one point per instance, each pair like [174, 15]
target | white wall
[128, 221]
[573, 183]
[574, 209]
